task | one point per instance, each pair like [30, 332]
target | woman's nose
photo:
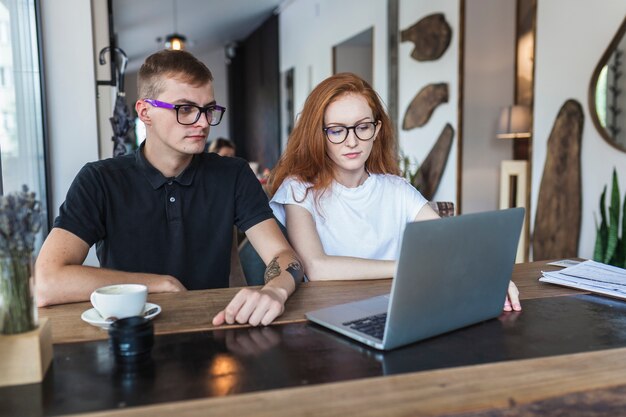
[351, 140]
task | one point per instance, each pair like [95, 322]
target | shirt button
[172, 199]
[170, 182]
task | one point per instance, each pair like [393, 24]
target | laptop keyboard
[372, 326]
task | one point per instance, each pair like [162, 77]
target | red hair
[305, 157]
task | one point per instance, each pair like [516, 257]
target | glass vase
[18, 309]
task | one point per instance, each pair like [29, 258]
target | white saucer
[94, 318]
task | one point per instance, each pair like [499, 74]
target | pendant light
[175, 41]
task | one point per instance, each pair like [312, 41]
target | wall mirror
[607, 92]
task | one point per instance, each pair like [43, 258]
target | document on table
[590, 276]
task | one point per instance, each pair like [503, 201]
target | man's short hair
[170, 64]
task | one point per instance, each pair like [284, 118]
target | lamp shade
[175, 41]
[514, 122]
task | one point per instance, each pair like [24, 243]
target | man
[163, 216]
[222, 147]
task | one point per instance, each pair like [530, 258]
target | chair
[251, 263]
[237, 276]
[442, 208]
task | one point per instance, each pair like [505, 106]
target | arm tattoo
[295, 269]
[272, 270]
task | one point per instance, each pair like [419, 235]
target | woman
[337, 190]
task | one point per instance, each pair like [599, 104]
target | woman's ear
[142, 112]
[379, 125]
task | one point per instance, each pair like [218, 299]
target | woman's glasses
[363, 131]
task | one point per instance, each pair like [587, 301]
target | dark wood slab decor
[557, 223]
[430, 172]
[430, 35]
[423, 105]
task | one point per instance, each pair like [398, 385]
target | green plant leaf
[601, 232]
[611, 244]
[408, 167]
[618, 258]
[623, 265]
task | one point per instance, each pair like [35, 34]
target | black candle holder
[131, 339]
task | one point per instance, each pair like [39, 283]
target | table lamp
[514, 123]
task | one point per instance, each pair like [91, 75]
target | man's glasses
[188, 114]
[363, 131]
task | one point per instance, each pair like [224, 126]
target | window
[21, 112]
[4, 32]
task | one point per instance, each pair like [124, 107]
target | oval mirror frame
[594, 81]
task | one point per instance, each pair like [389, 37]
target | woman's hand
[511, 303]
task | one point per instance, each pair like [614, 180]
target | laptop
[451, 273]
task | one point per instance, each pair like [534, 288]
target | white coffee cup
[120, 300]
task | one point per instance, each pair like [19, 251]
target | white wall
[69, 74]
[309, 30]
[572, 35]
[70, 91]
[489, 79]
[562, 71]
[414, 75]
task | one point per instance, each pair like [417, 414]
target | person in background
[336, 187]
[164, 215]
[222, 147]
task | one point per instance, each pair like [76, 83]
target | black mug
[131, 339]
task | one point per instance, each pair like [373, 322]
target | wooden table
[545, 386]
[194, 310]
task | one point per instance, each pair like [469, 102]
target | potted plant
[20, 220]
[610, 247]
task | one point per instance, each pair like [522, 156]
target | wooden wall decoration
[423, 105]
[430, 35]
[557, 223]
[430, 172]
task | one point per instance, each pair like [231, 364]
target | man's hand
[253, 307]
[511, 303]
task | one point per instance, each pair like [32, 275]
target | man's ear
[142, 112]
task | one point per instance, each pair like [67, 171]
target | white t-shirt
[364, 222]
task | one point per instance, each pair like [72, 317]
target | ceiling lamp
[175, 41]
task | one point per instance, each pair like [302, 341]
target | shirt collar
[154, 176]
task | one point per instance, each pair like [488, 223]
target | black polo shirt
[142, 221]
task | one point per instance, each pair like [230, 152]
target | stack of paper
[590, 276]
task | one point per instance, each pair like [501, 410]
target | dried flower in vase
[20, 221]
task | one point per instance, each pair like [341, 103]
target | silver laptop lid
[451, 273]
